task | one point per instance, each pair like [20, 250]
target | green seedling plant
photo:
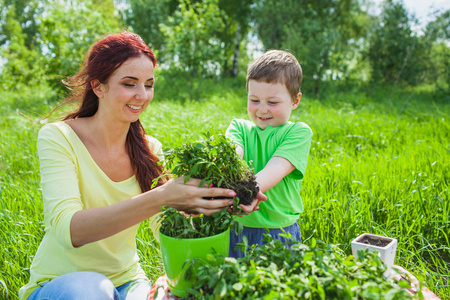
[314, 271]
[215, 161]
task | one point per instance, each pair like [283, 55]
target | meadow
[379, 163]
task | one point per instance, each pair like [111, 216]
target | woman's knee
[79, 285]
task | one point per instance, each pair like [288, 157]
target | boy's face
[270, 103]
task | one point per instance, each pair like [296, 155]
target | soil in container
[374, 242]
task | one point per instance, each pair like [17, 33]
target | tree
[145, 17]
[237, 24]
[437, 34]
[394, 52]
[148, 18]
[439, 29]
[40, 48]
[67, 31]
[22, 64]
[193, 42]
[318, 33]
[26, 14]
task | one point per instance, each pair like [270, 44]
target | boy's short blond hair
[277, 66]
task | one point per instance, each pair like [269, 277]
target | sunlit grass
[374, 167]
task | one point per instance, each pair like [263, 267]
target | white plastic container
[386, 248]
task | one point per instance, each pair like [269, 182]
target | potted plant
[304, 271]
[184, 237]
[386, 248]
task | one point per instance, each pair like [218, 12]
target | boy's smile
[270, 103]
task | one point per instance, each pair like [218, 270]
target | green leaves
[193, 37]
[272, 271]
[394, 51]
[179, 225]
[215, 161]
[45, 39]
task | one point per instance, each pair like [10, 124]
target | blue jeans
[89, 285]
[255, 236]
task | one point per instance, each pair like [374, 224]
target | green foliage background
[374, 167]
[376, 95]
[339, 40]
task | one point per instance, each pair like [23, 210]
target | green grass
[374, 167]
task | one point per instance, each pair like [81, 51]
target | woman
[97, 166]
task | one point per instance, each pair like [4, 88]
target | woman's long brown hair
[104, 57]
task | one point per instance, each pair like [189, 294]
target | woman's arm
[73, 225]
[90, 225]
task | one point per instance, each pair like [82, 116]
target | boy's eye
[254, 100]
[272, 103]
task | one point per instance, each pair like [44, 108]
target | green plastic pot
[175, 252]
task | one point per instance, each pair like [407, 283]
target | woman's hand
[189, 196]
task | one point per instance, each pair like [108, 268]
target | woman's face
[128, 91]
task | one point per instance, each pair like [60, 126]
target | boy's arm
[240, 151]
[275, 170]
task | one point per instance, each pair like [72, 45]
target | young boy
[277, 148]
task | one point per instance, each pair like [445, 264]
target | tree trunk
[234, 69]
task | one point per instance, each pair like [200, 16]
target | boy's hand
[254, 206]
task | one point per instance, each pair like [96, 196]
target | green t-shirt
[290, 141]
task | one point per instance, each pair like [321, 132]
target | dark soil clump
[245, 190]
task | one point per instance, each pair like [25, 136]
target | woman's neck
[108, 134]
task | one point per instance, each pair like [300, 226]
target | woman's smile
[134, 108]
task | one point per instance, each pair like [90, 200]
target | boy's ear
[296, 101]
[97, 88]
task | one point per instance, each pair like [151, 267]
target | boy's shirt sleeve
[235, 132]
[295, 148]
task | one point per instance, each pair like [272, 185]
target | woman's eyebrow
[134, 78]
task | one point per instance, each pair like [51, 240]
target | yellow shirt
[72, 181]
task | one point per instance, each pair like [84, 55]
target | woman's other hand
[189, 197]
